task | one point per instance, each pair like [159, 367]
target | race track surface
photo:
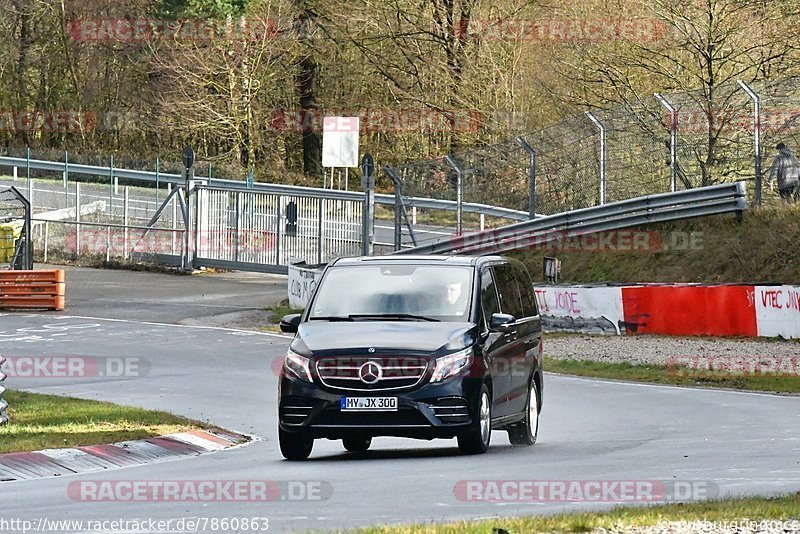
[720, 441]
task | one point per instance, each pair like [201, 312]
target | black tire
[476, 440]
[295, 446]
[524, 434]
[357, 444]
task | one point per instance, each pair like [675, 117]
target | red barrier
[690, 310]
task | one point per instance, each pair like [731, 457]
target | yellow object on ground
[9, 233]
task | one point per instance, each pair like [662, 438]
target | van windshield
[412, 292]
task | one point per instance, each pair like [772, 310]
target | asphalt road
[170, 298]
[722, 442]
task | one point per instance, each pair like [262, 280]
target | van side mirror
[289, 323]
[501, 321]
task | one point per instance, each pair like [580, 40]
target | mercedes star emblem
[370, 373]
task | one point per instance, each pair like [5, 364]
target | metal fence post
[111, 187]
[400, 210]
[125, 207]
[602, 155]
[158, 168]
[3, 403]
[320, 228]
[30, 193]
[28, 165]
[278, 230]
[756, 137]
[459, 193]
[531, 176]
[77, 219]
[66, 179]
[237, 208]
[673, 140]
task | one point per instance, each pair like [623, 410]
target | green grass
[761, 248]
[753, 508]
[278, 311]
[50, 421]
[657, 374]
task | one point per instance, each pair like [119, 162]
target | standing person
[786, 170]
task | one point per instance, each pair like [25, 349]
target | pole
[66, 179]
[459, 194]
[756, 137]
[66, 173]
[367, 225]
[77, 219]
[111, 186]
[531, 176]
[398, 199]
[126, 203]
[602, 155]
[673, 140]
[158, 168]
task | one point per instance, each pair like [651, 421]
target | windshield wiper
[330, 318]
[392, 316]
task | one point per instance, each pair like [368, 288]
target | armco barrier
[32, 289]
[3, 403]
[679, 309]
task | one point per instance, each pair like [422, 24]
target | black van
[413, 346]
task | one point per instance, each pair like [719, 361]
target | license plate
[369, 404]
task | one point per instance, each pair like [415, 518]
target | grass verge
[786, 507]
[50, 421]
[680, 376]
[278, 311]
[762, 248]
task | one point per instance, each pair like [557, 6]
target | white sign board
[778, 311]
[302, 283]
[340, 142]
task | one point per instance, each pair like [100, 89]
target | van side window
[489, 302]
[510, 299]
[526, 289]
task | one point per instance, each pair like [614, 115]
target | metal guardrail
[149, 176]
[3, 403]
[699, 202]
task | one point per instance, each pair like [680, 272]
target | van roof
[420, 259]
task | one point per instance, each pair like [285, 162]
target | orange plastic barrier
[32, 289]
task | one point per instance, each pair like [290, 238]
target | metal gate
[255, 231]
[16, 251]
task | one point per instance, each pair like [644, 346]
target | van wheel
[476, 440]
[295, 446]
[524, 433]
[357, 444]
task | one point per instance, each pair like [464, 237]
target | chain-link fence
[646, 146]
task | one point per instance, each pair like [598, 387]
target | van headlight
[297, 366]
[452, 364]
